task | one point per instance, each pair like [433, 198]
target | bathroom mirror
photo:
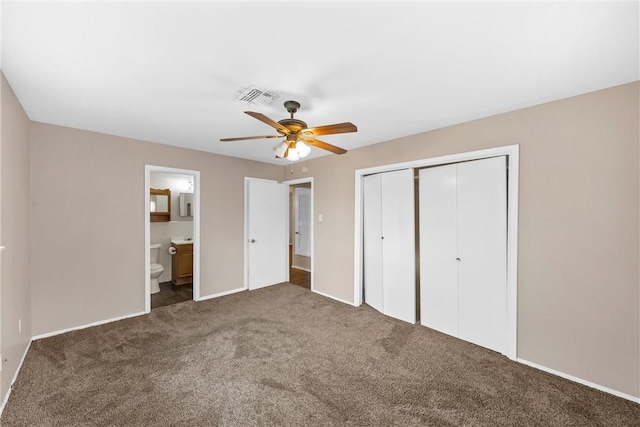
[160, 205]
[186, 204]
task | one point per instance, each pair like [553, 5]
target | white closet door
[438, 249]
[463, 252]
[482, 249]
[372, 245]
[398, 245]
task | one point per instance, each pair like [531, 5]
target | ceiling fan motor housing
[294, 125]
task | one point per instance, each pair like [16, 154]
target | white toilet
[156, 268]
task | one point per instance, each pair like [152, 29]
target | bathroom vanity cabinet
[182, 264]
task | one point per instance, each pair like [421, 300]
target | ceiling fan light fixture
[293, 150]
[303, 149]
[293, 154]
[281, 148]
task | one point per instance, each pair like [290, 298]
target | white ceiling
[170, 72]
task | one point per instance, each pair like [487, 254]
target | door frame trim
[147, 230]
[512, 152]
[304, 181]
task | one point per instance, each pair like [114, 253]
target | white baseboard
[221, 294]
[15, 377]
[580, 381]
[88, 325]
[308, 270]
[334, 298]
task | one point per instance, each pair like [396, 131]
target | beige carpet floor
[288, 357]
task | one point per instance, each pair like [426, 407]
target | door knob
[253, 240]
[457, 259]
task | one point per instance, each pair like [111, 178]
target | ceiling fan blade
[330, 129]
[243, 138]
[277, 126]
[323, 145]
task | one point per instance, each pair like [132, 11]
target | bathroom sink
[182, 241]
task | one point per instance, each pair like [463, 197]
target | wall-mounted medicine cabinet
[186, 204]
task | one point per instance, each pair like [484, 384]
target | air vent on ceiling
[253, 95]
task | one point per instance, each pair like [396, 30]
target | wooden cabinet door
[182, 265]
[185, 264]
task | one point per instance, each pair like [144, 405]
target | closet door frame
[512, 153]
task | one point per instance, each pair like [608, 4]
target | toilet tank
[154, 253]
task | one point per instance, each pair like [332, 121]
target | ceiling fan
[297, 134]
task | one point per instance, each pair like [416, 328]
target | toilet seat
[156, 268]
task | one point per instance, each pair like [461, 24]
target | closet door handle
[458, 259]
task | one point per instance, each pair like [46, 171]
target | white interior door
[267, 232]
[438, 249]
[372, 244]
[302, 208]
[398, 245]
[482, 249]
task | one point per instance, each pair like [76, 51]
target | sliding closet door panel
[398, 246]
[438, 249]
[372, 245]
[482, 249]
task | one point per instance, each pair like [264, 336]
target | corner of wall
[15, 232]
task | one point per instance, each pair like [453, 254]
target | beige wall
[14, 223]
[579, 250]
[88, 222]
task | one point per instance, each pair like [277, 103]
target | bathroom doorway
[301, 232]
[172, 244]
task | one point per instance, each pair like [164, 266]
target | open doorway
[301, 232]
[172, 244]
